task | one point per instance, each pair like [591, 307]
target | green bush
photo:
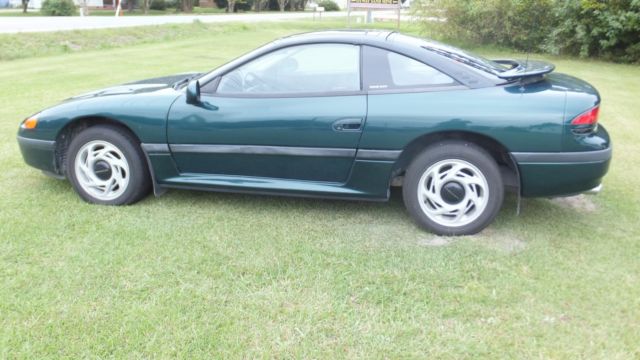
[58, 8]
[174, 4]
[158, 5]
[610, 30]
[329, 5]
[521, 24]
[604, 28]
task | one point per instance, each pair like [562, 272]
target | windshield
[456, 54]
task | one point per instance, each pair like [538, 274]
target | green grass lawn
[206, 275]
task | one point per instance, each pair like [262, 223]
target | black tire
[442, 152]
[139, 184]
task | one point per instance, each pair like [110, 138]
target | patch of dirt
[510, 244]
[579, 202]
[503, 241]
[435, 241]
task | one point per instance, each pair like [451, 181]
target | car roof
[359, 36]
[391, 40]
[363, 36]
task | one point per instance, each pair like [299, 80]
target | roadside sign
[375, 4]
[371, 5]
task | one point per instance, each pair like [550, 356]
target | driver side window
[315, 68]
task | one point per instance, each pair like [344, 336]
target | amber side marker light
[30, 123]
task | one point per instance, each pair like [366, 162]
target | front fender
[144, 114]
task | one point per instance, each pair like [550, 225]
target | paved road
[9, 24]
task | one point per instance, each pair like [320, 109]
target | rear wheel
[106, 166]
[453, 188]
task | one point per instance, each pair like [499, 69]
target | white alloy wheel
[453, 192]
[102, 170]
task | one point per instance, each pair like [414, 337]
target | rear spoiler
[524, 69]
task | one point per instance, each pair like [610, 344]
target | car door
[293, 113]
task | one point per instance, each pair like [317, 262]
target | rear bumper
[562, 173]
[39, 153]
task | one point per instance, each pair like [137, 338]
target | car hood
[137, 87]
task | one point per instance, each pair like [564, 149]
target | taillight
[586, 122]
[589, 117]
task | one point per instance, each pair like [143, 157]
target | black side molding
[563, 157]
[262, 150]
[155, 148]
[364, 154]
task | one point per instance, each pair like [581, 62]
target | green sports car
[336, 114]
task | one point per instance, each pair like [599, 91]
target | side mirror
[193, 96]
[193, 93]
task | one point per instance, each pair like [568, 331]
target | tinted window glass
[298, 69]
[451, 52]
[409, 72]
[389, 70]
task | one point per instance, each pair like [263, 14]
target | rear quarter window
[384, 69]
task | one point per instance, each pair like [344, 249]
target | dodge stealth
[336, 114]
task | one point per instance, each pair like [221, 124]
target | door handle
[348, 124]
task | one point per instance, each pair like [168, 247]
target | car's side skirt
[369, 178]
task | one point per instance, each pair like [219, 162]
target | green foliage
[58, 8]
[608, 29]
[329, 5]
[158, 5]
[593, 28]
[174, 4]
[498, 22]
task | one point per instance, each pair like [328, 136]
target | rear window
[454, 53]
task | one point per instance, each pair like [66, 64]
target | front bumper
[39, 153]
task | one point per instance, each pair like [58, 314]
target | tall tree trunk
[258, 5]
[187, 6]
[85, 8]
[146, 6]
[25, 3]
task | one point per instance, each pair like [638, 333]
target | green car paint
[335, 145]
[287, 122]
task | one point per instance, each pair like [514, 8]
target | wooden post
[118, 7]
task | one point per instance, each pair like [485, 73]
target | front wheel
[106, 166]
[453, 188]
